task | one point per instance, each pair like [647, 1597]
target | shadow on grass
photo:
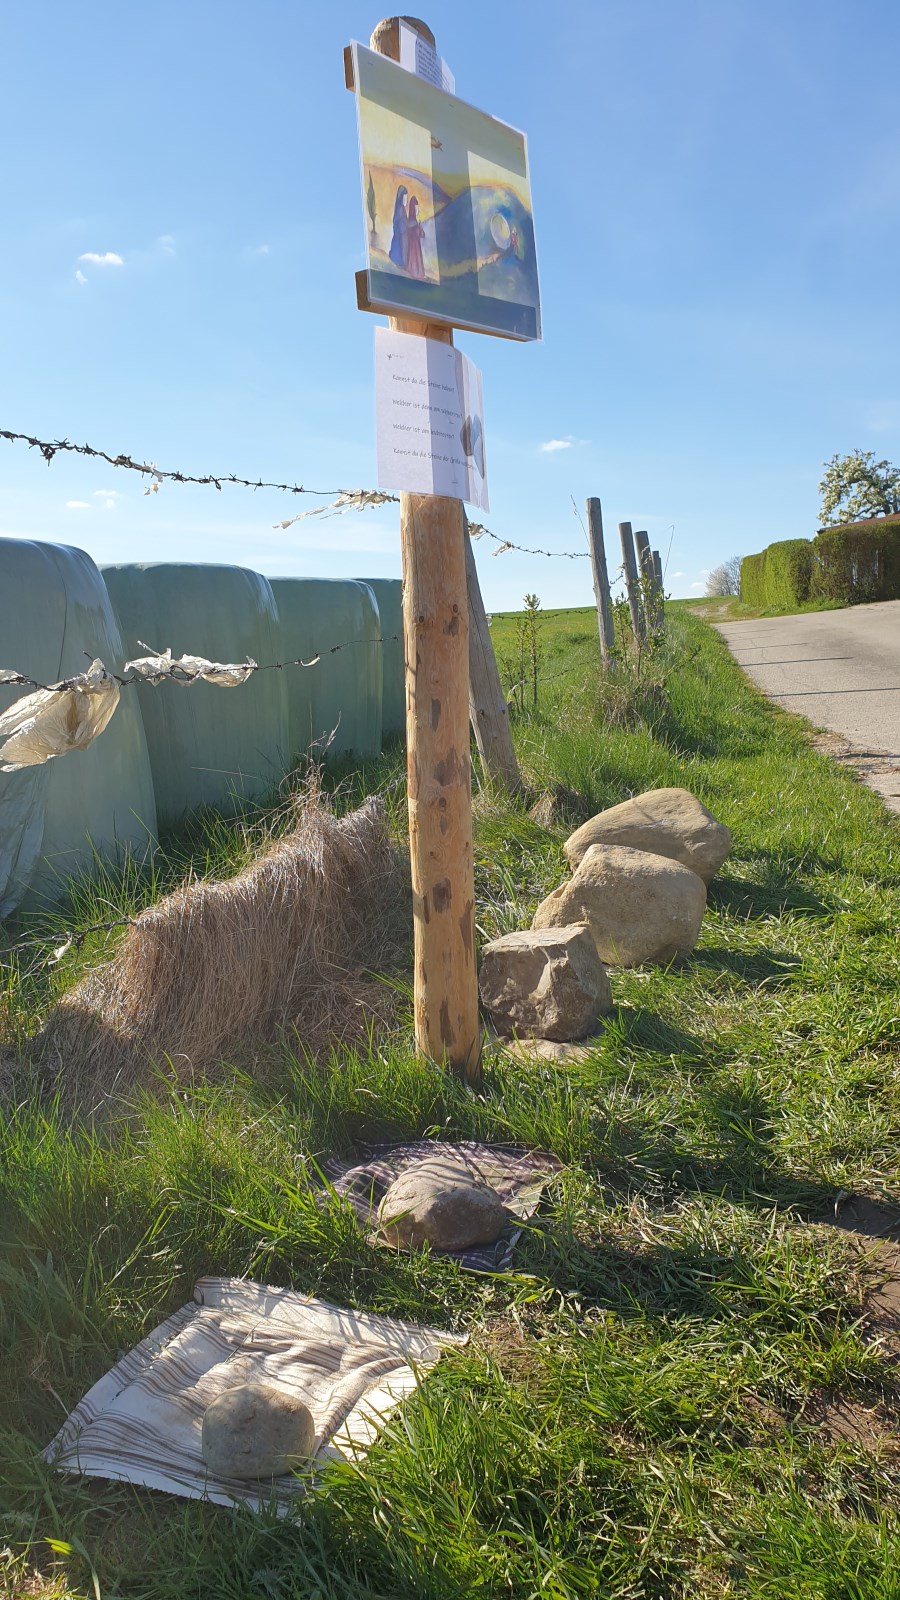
[755, 967]
[739, 898]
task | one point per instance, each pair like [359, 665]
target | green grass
[630, 1416]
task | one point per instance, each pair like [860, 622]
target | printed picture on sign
[447, 202]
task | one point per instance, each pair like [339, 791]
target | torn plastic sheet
[49, 723]
[160, 665]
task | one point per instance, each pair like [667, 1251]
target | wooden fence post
[438, 765]
[601, 580]
[488, 710]
[632, 587]
[647, 574]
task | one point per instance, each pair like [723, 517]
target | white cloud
[77, 505]
[698, 586]
[679, 574]
[80, 277]
[108, 496]
[166, 244]
[555, 444]
[108, 259]
[255, 252]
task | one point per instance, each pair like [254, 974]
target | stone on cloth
[665, 822]
[440, 1203]
[256, 1431]
[518, 1177]
[639, 907]
[143, 1422]
[545, 981]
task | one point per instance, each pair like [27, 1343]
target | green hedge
[844, 566]
[858, 562]
[753, 584]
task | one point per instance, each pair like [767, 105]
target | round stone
[437, 1202]
[256, 1431]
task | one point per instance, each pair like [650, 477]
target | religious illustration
[447, 202]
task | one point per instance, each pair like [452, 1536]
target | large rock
[441, 1203]
[545, 981]
[639, 907]
[256, 1431]
[664, 822]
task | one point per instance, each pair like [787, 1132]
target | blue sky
[717, 203]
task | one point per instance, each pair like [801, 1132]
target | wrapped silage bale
[55, 617]
[341, 694]
[207, 745]
[389, 594]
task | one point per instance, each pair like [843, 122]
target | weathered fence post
[488, 710]
[648, 576]
[436, 640]
[601, 580]
[632, 587]
[658, 587]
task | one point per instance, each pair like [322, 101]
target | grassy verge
[732, 609]
[635, 1412]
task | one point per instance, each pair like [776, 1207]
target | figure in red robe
[415, 233]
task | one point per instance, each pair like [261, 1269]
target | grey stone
[545, 981]
[664, 822]
[256, 1431]
[639, 907]
[552, 1050]
[440, 1203]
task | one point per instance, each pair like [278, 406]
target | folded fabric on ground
[141, 1423]
[518, 1176]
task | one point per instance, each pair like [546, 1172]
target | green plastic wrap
[342, 692]
[55, 615]
[207, 745]
[389, 594]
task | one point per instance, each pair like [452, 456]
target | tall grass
[633, 1415]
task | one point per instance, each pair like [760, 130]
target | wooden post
[438, 766]
[632, 587]
[601, 580]
[645, 566]
[488, 710]
[658, 572]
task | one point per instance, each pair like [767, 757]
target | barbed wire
[342, 499]
[184, 675]
[148, 469]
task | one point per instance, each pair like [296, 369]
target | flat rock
[441, 1203]
[664, 822]
[545, 981]
[551, 1049]
[256, 1431]
[639, 907]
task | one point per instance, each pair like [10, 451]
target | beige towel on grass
[141, 1423]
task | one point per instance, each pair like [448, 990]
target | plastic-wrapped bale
[389, 594]
[207, 745]
[55, 616]
[342, 693]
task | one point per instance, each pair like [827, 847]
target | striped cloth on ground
[518, 1176]
[141, 1423]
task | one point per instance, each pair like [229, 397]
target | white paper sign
[420, 57]
[430, 418]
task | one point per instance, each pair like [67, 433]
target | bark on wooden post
[658, 572]
[438, 765]
[632, 587]
[488, 710]
[601, 580]
[645, 568]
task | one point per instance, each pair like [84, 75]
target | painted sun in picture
[447, 203]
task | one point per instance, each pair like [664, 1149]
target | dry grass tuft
[215, 970]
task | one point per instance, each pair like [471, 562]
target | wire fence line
[341, 499]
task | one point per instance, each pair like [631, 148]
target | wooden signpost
[439, 258]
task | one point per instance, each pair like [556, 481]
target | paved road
[841, 670]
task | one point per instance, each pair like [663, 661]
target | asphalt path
[841, 670]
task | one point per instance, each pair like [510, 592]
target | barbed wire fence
[159, 666]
